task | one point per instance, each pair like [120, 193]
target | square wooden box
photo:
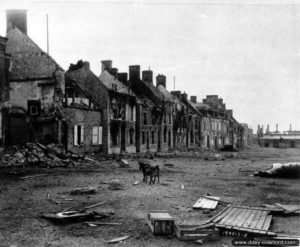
[160, 223]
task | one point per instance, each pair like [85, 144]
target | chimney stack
[134, 72]
[290, 127]
[106, 65]
[176, 93]
[86, 65]
[276, 127]
[114, 72]
[123, 77]
[194, 99]
[16, 18]
[184, 96]
[229, 113]
[147, 76]
[161, 80]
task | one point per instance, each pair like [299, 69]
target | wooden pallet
[254, 220]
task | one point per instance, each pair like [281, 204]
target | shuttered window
[97, 135]
[78, 134]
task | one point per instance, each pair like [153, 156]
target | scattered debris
[124, 163]
[169, 165]
[287, 170]
[182, 186]
[36, 154]
[207, 202]
[34, 176]
[289, 208]
[73, 216]
[230, 155]
[160, 222]
[115, 185]
[51, 200]
[212, 157]
[116, 240]
[255, 220]
[204, 232]
[95, 223]
[136, 182]
[85, 190]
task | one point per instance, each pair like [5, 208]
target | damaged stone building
[122, 107]
[83, 115]
[36, 84]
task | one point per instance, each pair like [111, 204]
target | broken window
[153, 137]
[131, 136]
[170, 118]
[145, 118]
[34, 107]
[78, 134]
[143, 137]
[132, 113]
[165, 134]
[114, 131]
[97, 135]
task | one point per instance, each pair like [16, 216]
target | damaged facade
[110, 113]
[36, 84]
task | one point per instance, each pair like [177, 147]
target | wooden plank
[239, 217]
[267, 223]
[228, 215]
[223, 214]
[255, 219]
[244, 217]
[206, 202]
[232, 217]
[218, 215]
[248, 221]
[261, 221]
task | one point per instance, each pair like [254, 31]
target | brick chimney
[229, 113]
[114, 72]
[86, 65]
[123, 77]
[184, 96]
[147, 76]
[134, 72]
[16, 18]
[194, 99]
[176, 93]
[161, 80]
[106, 65]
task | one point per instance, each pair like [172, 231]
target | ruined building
[36, 84]
[122, 107]
[82, 110]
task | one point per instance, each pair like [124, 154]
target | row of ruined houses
[110, 113]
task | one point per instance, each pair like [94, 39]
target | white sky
[245, 51]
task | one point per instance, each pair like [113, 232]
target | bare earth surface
[22, 201]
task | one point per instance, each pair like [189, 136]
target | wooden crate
[160, 223]
[196, 232]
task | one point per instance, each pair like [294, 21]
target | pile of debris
[35, 154]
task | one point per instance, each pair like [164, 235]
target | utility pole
[174, 78]
[47, 35]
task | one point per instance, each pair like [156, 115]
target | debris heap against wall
[33, 154]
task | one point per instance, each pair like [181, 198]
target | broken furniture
[255, 220]
[160, 222]
[204, 232]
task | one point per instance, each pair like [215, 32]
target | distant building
[280, 141]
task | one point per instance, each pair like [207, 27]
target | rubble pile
[38, 155]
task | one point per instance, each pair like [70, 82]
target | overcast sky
[245, 51]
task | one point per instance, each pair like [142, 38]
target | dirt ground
[22, 201]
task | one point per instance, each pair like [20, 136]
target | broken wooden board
[116, 240]
[207, 202]
[289, 208]
[254, 220]
[196, 232]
